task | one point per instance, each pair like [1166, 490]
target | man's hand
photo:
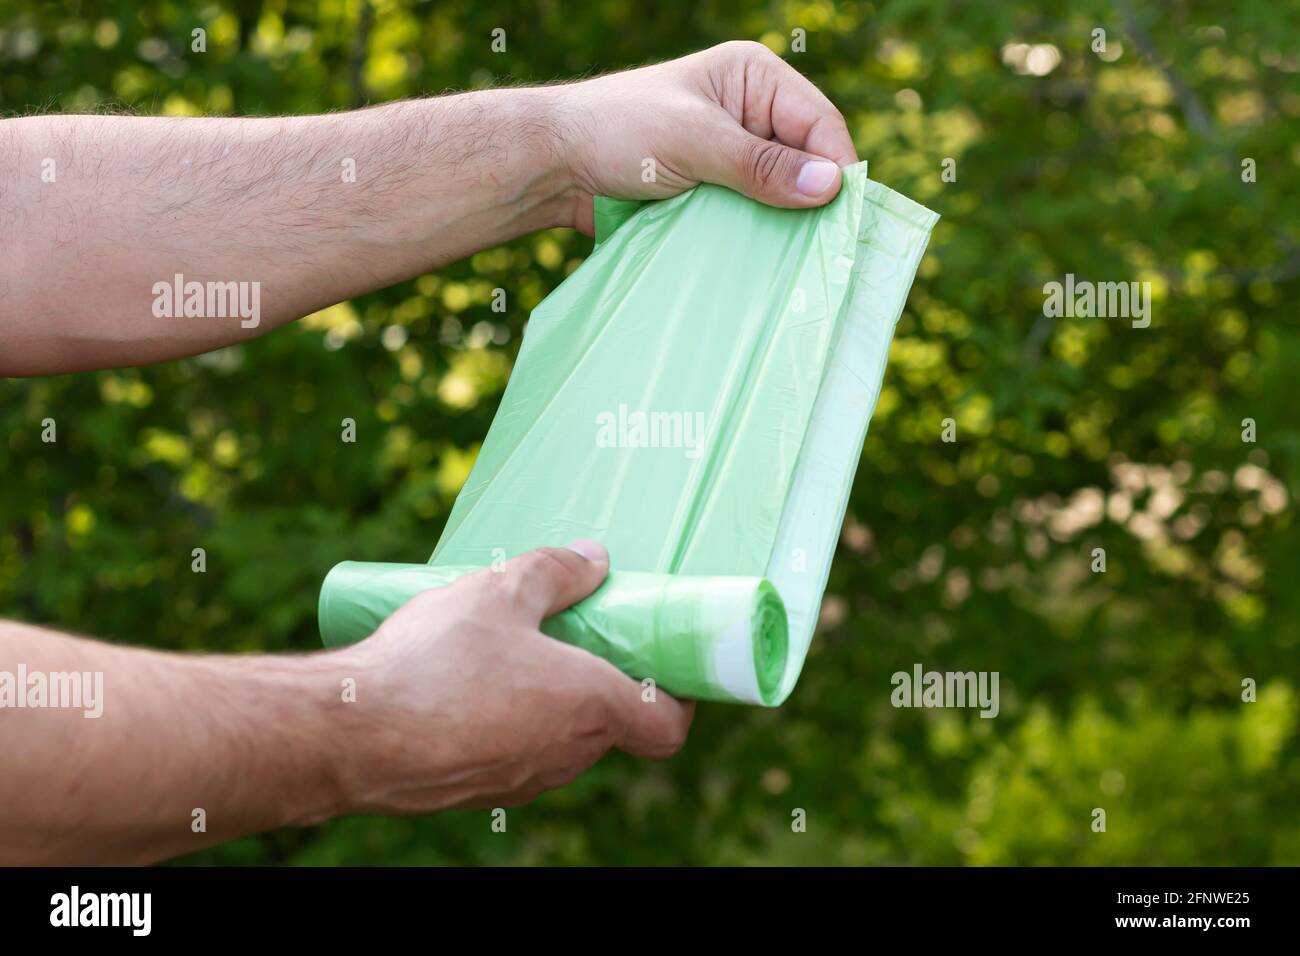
[273, 218]
[459, 701]
[736, 114]
[462, 701]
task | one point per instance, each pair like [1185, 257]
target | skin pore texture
[459, 700]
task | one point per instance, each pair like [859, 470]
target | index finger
[649, 725]
[804, 118]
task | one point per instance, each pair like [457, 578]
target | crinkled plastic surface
[695, 396]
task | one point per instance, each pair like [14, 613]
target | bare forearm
[456, 700]
[185, 751]
[97, 211]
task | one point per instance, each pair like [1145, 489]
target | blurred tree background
[1120, 690]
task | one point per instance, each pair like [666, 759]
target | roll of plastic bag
[710, 638]
[696, 394]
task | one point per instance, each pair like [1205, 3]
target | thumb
[770, 172]
[547, 580]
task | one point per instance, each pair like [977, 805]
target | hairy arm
[98, 210]
[150, 743]
[282, 216]
[457, 700]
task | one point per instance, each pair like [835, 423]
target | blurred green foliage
[1120, 690]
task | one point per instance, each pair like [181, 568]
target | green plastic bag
[694, 396]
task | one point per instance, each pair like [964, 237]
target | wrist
[519, 167]
[368, 746]
[321, 747]
[456, 174]
[543, 117]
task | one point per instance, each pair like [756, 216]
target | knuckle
[551, 561]
[746, 49]
[535, 571]
[592, 719]
[534, 564]
[764, 163]
[674, 740]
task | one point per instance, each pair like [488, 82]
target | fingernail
[591, 550]
[816, 177]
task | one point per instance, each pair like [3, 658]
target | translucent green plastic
[695, 396]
